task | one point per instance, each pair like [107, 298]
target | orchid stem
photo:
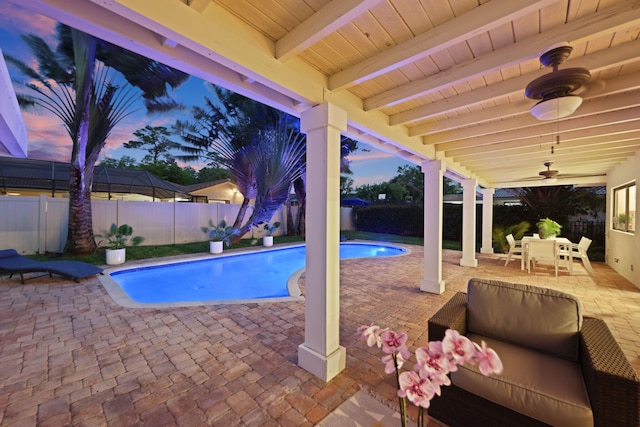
[401, 400]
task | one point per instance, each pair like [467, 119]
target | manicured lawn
[146, 252]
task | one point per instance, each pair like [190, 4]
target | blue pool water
[262, 274]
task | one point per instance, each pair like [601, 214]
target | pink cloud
[17, 20]
[47, 138]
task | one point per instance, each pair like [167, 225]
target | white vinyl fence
[39, 224]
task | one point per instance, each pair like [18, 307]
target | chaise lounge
[13, 263]
[560, 368]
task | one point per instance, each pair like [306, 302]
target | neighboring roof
[54, 176]
[201, 185]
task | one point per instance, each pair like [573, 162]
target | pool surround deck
[70, 355]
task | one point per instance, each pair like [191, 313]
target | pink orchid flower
[439, 380]
[458, 347]
[432, 360]
[488, 360]
[418, 390]
[389, 366]
[371, 334]
[393, 342]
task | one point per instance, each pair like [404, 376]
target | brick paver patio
[70, 356]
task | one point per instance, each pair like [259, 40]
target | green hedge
[408, 220]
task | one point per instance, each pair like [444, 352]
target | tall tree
[124, 162]
[210, 174]
[91, 85]
[156, 140]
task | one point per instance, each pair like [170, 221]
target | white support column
[433, 172]
[321, 353]
[469, 223]
[487, 221]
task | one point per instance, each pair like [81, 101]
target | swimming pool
[258, 276]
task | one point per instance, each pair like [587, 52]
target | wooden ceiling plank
[616, 56]
[457, 30]
[325, 21]
[541, 140]
[568, 156]
[601, 104]
[198, 5]
[601, 142]
[615, 109]
[619, 16]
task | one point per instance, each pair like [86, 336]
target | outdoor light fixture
[556, 108]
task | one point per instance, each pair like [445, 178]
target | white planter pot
[116, 256]
[216, 247]
[267, 240]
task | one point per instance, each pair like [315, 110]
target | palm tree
[91, 85]
[260, 146]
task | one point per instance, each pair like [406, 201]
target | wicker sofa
[560, 368]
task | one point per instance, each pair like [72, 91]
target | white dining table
[562, 243]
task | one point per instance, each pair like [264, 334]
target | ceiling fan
[550, 176]
[556, 91]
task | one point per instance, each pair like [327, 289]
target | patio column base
[468, 262]
[323, 367]
[433, 287]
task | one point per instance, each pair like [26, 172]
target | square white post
[321, 353]
[469, 223]
[433, 173]
[487, 221]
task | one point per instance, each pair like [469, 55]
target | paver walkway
[70, 356]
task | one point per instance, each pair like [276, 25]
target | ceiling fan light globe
[550, 180]
[556, 108]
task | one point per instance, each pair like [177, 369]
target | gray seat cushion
[538, 318]
[547, 388]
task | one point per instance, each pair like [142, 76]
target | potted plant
[117, 240]
[548, 228]
[267, 239]
[219, 236]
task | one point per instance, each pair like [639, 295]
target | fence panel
[57, 223]
[39, 224]
[153, 221]
[105, 213]
[190, 218]
[20, 223]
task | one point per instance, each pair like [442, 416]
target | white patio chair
[514, 248]
[579, 250]
[542, 250]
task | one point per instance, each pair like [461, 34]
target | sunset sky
[49, 141]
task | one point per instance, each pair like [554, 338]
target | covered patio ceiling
[436, 79]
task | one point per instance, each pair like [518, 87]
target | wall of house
[225, 192]
[623, 249]
[39, 224]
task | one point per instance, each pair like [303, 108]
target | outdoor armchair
[539, 334]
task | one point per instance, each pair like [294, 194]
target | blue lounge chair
[13, 263]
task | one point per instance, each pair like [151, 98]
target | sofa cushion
[537, 318]
[547, 388]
